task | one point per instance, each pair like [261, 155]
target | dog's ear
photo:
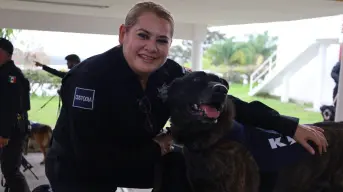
[224, 82]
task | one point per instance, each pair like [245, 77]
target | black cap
[6, 45]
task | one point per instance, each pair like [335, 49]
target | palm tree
[264, 45]
[221, 52]
[244, 54]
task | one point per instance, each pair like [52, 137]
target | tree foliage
[182, 53]
[228, 51]
[39, 78]
[6, 33]
[251, 52]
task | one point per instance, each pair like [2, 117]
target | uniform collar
[7, 64]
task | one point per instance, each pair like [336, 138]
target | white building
[301, 45]
[304, 83]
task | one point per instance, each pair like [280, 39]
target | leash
[27, 166]
[46, 103]
[181, 149]
[42, 107]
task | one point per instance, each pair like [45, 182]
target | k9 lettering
[276, 142]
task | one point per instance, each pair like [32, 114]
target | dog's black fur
[201, 115]
[217, 165]
[317, 173]
[328, 112]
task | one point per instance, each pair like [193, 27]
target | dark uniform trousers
[172, 177]
[11, 158]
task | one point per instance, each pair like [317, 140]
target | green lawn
[48, 114]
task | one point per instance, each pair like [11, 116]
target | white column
[339, 105]
[317, 102]
[285, 87]
[199, 35]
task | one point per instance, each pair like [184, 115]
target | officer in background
[13, 106]
[335, 76]
[71, 59]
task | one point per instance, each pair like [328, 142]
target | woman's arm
[260, 115]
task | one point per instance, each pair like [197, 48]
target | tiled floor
[34, 159]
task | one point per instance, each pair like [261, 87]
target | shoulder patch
[84, 98]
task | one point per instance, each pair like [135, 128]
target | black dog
[201, 115]
[328, 112]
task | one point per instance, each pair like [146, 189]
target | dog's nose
[218, 87]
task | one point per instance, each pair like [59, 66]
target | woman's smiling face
[146, 44]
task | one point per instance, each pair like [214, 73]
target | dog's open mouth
[211, 111]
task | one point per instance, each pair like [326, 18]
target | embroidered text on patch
[84, 98]
[12, 79]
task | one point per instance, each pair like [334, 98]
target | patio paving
[34, 159]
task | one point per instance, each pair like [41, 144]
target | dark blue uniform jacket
[107, 121]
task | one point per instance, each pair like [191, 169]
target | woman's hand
[165, 141]
[304, 133]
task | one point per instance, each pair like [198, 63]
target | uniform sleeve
[335, 73]
[257, 114]
[9, 99]
[26, 97]
[93, 115]
[60, 74]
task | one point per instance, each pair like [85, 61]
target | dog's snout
[218, 87]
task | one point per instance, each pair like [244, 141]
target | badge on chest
[163, 92]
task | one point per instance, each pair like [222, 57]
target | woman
[113, 108]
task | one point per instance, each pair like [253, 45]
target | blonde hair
[143, 7]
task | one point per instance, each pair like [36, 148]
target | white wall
[296, 37]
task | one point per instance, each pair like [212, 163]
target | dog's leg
[26, 145]
[42, 148]
[40, 141]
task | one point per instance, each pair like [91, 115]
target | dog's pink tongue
[210, 112]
